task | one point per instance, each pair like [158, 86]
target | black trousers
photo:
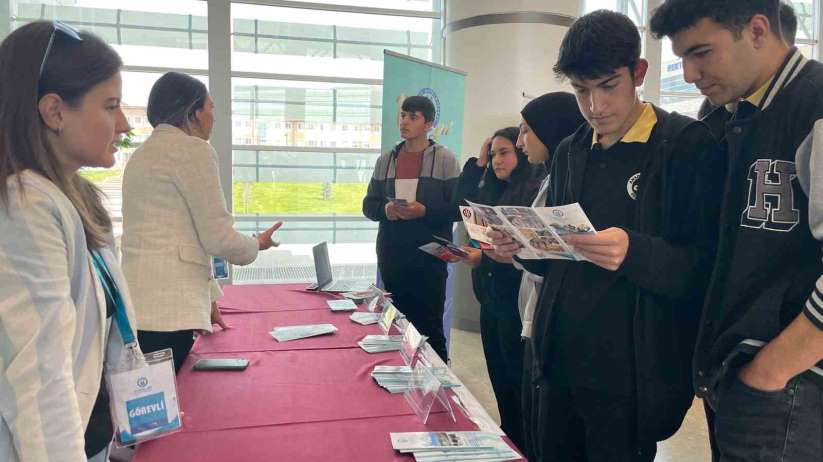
[419, 291]
[180, 342]
[563, 423]
[591, 426]
[500, 329]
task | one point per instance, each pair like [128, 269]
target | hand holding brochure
[540, 230]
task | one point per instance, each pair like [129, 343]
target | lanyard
[107, 281]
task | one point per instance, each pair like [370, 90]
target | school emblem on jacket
[771, 196]
[632, 186]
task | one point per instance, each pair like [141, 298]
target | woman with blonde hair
[60, 93]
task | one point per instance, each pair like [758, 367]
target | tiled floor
[690, 444]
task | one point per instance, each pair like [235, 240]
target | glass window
[687, 105]
[274, 112]
[806, 49]
[415, 5]
[804, 10]
[631, 8]
[301, 183]
[151, 33]
[325, 43]
[675, 93]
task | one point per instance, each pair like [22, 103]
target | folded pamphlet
[540, 230]
[365, 318]
[341, 305]
[286, 333]
[453, 446]
[381, 343]
[396, 379]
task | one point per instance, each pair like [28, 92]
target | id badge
[144, 402]
[220, 268]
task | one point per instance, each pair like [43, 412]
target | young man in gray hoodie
[411, 194]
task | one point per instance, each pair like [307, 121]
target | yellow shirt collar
[756, 97]
[641, 131]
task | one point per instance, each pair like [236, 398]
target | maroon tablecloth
[284, 297]
[305, 400]
[282, 387]
[360, 440]
[250, 331]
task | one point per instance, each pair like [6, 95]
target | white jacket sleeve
[199, 184]
[809, 167]
[38, 398]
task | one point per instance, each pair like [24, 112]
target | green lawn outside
[298, 198]
[98, 176]
[276, 198]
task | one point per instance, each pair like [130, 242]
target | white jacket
[174, 219]
[53, 326]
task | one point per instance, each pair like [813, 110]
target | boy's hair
[788, 23]
[419, 104]
[675, 15]
[598, 44]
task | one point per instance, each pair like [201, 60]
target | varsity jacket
[671, 248]
[398, 241]
[768, 267]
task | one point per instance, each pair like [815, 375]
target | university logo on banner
[771, 196]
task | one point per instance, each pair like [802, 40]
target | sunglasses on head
[66, 30]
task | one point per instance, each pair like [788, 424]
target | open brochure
[540, 230]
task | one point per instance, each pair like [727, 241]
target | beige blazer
[174, 220]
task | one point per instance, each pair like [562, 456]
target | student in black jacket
[500, 175]
[608, 373]
[759, 355]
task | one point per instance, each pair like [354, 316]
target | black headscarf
[552, 117]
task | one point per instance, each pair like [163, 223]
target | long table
[303, 400]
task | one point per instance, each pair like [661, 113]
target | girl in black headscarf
[547, 119]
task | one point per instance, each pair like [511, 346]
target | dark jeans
[180, 342]
[419, 292]
[767, 426]
[500, 331]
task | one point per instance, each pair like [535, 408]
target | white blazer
[174, 219]
[54, 334]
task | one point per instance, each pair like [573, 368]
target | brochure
[444, 250]
[540, 230]
[341, 305]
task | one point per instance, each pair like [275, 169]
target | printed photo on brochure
[539, 230]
